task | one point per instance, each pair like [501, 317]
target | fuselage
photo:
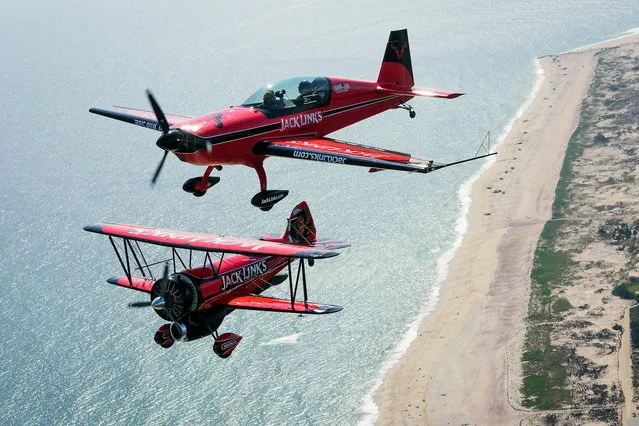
[232, 133]
[237, 275]
[223, 280]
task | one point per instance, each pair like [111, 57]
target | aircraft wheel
[199, 193]
[163, 337]
[412, 114]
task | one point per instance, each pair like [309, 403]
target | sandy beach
[463, 365]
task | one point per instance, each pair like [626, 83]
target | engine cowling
[179, 296]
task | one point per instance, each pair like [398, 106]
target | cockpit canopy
[291, 95]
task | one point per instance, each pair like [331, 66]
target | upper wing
[415, 91]
[339, 152]
[138, 117]
[261, 303]
[208, 242]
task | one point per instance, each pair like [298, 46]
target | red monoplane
[203, 289]
[291, 118]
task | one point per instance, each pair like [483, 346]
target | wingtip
[94, 227]
[327, 309]
[454, 95]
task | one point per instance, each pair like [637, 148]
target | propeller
[139, 304]
[170, 139]
[177, 330]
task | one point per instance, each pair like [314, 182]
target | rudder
[300, 228]
[397, 69]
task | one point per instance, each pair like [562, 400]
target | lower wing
[137, 283]
[334, 151]
[261, 303]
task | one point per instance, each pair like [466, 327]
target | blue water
[72, 352]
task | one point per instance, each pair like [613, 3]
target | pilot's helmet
[305, 87]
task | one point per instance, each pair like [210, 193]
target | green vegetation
[634, 340]
[562, 192]
[561, 305]
[634, 326]
[627, 291]
[545, 371]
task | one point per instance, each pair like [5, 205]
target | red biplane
[291, 118]
[213, 275]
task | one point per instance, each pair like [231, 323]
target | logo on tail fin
[398, 52]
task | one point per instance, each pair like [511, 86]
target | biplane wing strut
[131, 258]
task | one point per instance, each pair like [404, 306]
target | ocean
[71, 350]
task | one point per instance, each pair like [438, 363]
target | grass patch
[561, 305]
[545, 378]
[627, 291]
[551, 266]
[532, 356]
[634, 327]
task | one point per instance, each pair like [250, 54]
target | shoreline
[369, 409]
[498, 243]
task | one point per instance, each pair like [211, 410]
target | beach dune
[463, 365]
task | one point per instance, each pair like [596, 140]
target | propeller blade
[163, 284]
[164, 125]
[165, 278]
[157, 171]
[139, 304]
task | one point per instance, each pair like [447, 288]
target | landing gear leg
[264, 199]
[411, 111]
[199, 185]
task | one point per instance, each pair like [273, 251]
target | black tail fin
[397, 69]
[300, 228]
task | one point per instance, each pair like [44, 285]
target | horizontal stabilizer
[139, 284]
[428, 93]
[261, 303]
[330, 244]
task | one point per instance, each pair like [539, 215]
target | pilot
[306, 94]
[271, 101]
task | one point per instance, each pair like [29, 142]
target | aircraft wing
[340, 152]
[140, 284]
[138, 117]
[261, 303]
[208, 242]
[327, 150]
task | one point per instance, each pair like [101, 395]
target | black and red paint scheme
[291, 118]
[196, 298]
